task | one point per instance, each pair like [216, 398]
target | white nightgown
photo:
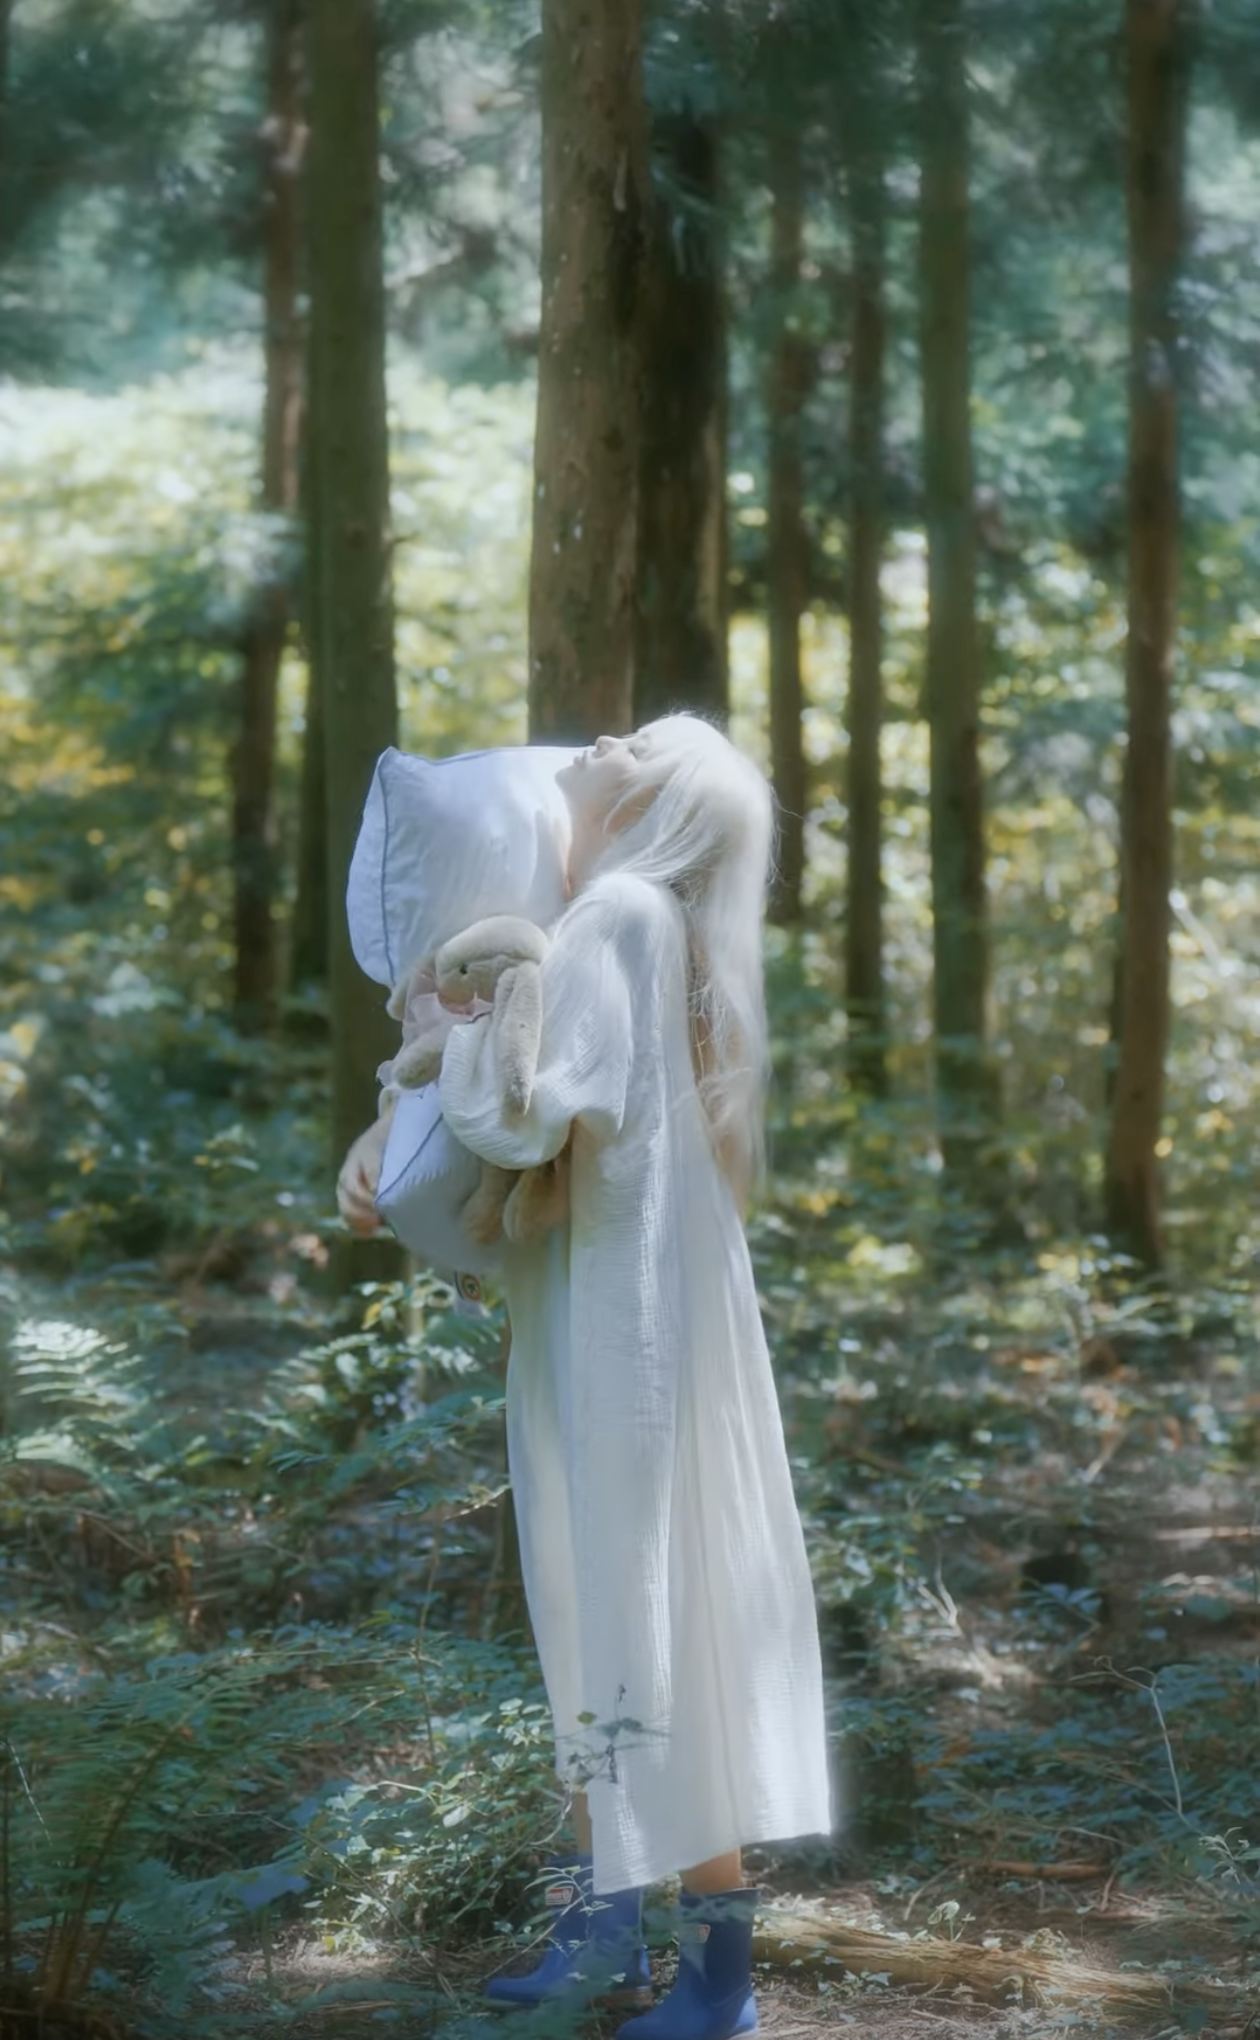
[662, 1552]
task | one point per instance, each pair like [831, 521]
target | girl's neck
[585, 851]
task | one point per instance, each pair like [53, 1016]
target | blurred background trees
[881, 385]
[878, 379]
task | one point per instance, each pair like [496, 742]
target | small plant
[952, 1919]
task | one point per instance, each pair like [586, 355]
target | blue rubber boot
[712, 1997]
[595, 1953]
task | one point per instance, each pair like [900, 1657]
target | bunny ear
[444, 843]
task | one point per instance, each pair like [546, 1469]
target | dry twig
[994, 1975]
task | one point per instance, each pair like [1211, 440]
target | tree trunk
[586, 450]
[6, 142]
[864, 962]
[799, 1942]
[6, 20]
[1158, 42]
[680, 651]
[308, 954]
[253, 762]
[965, 1092]
[308, 963]
[352, 605]
[787, 563]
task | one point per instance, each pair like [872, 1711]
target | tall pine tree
[586, 450]
[281, 145]
[350, 602]
[787, 557]
[959, 911]
[1158, 49]
[864, 112]
[680, 653]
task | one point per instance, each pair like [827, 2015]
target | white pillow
[427, 1177]
[443, 843]
[446, 841]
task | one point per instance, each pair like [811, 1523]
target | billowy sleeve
[596, 987]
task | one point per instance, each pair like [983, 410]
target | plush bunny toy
[495, 965]
[499, 960]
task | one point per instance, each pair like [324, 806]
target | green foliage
[181, 1760]
[257, 1678]
[1023, 1676]
[130, 561]
[129, 168]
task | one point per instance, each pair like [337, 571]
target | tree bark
[308, 952]
[8, 210]
[680, 650]
[6, 21]
[352, 608]
[253, 762]
[965, 1091]
[787, 561]
[308, 962]
[1157, 34]
[864, 941]
[586, 450]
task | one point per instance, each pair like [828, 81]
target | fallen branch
[1001, 1976]
[1061, 1873]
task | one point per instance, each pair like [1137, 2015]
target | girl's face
[604, 778]
[607, 787]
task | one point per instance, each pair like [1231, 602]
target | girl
[663, 1558]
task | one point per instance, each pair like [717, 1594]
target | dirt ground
[787, 2010]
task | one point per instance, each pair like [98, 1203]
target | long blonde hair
[707, 834]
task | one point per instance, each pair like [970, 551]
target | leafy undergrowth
[274, 1752]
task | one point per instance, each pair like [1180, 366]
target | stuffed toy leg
[426, 1024]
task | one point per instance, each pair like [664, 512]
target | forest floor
[1097, 1561]
[1109, 1556]
[1031, 1501]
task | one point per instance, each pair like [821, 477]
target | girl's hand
[360, 1176]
